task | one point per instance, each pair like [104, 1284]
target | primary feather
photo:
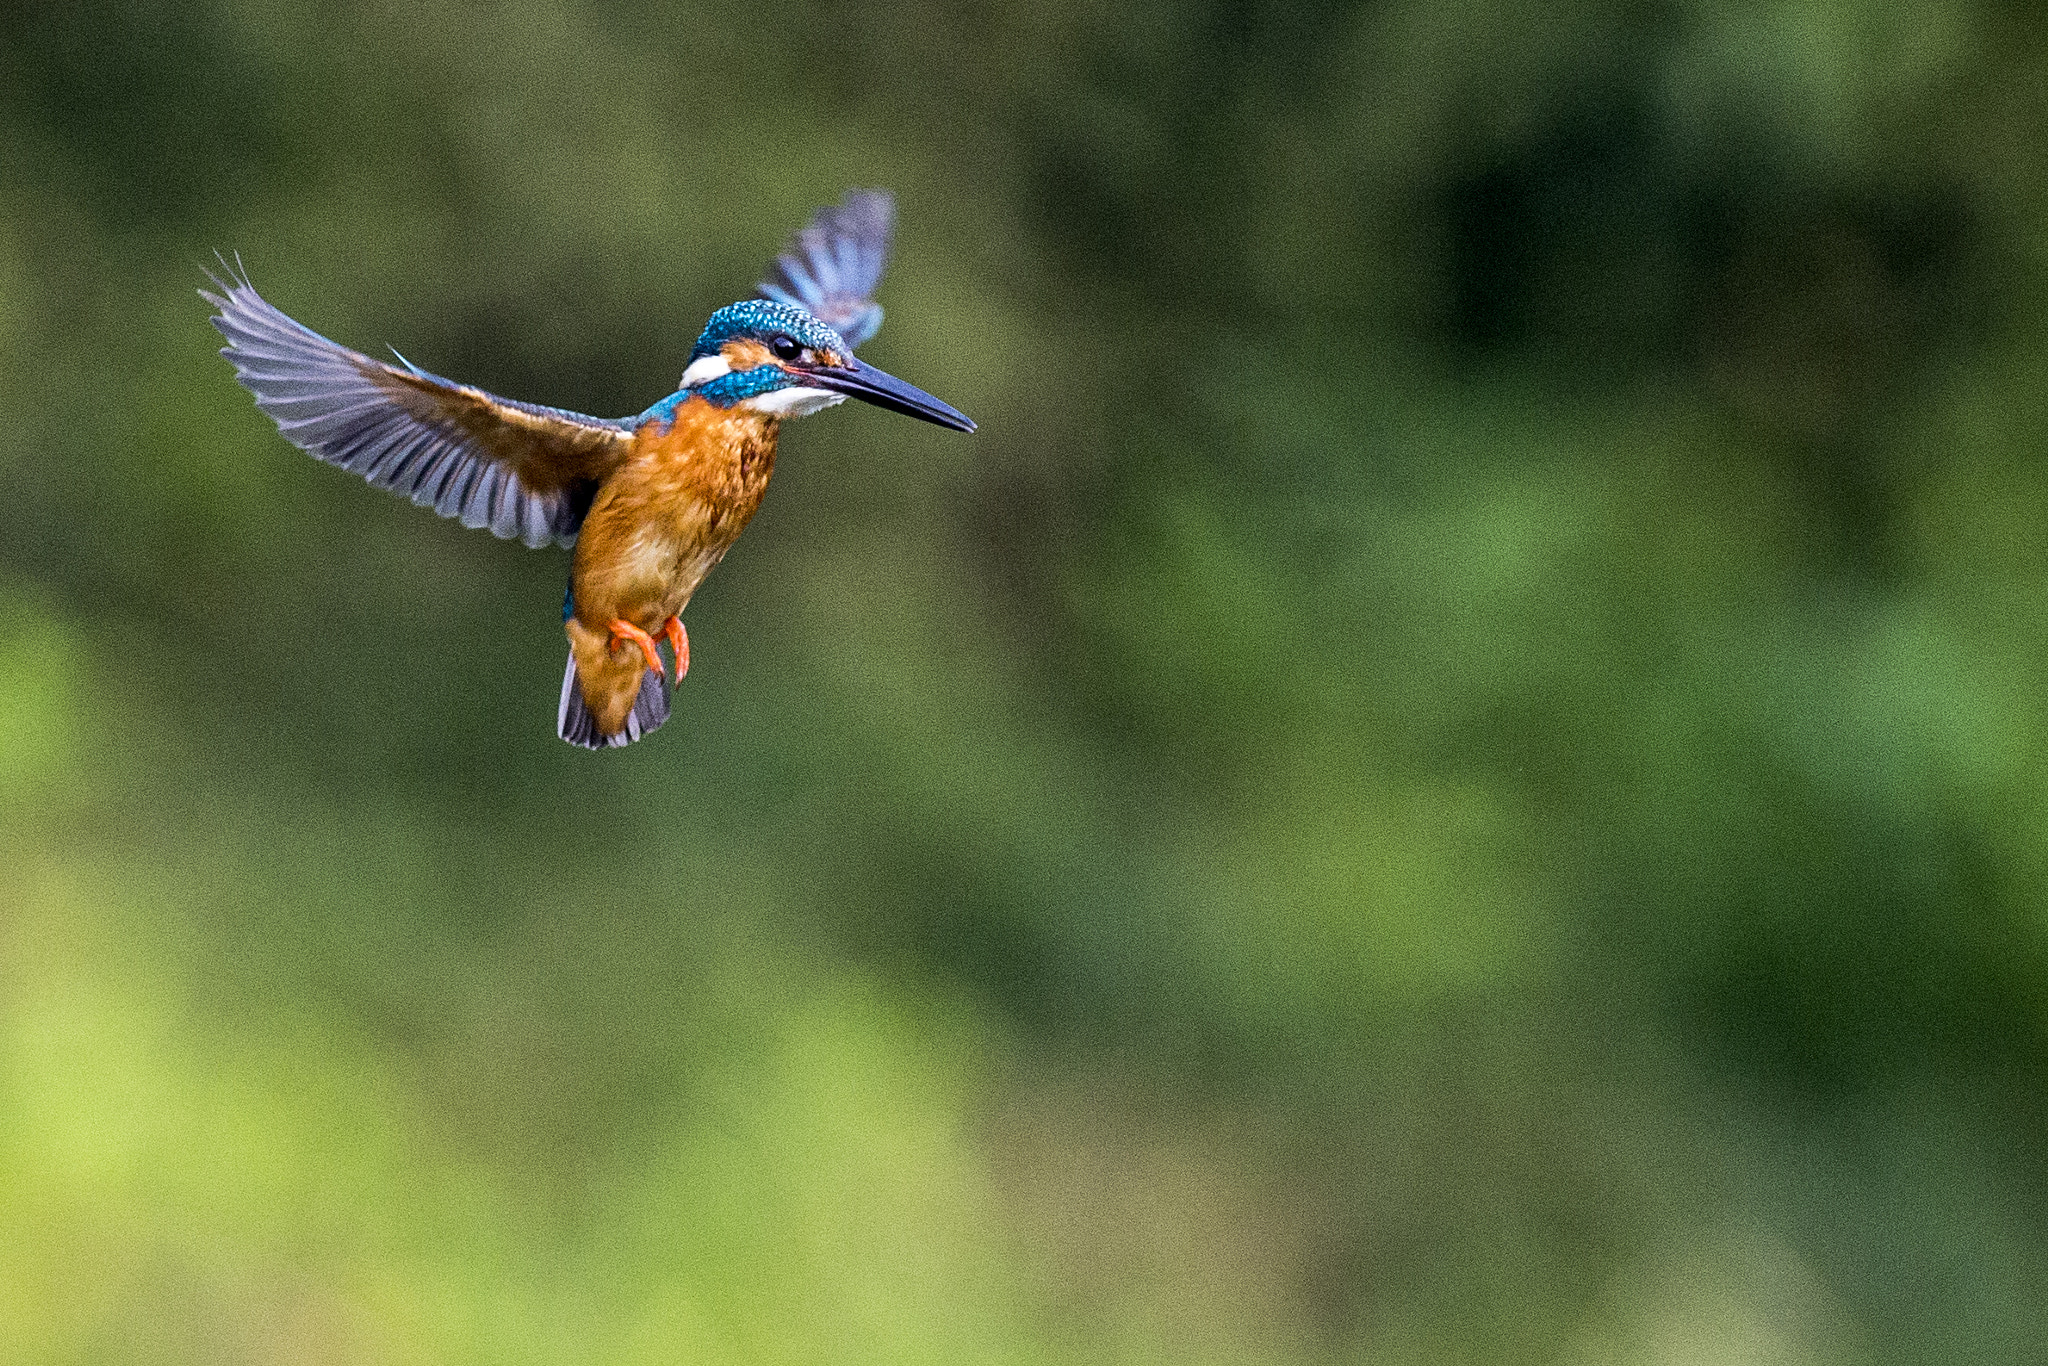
[836, 262]
[523, 470]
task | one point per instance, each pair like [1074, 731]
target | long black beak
[864, 382]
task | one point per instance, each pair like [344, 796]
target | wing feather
[520, 470]
[836, 262]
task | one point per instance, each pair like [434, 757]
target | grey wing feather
[524, 471]
[836, 263]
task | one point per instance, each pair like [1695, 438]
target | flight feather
[520, 469]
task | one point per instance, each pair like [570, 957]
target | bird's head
[772, 358]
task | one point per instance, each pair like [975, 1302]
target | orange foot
[623, 631]
[678, 645]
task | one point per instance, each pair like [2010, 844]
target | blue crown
[759, 319]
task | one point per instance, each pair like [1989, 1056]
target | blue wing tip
[232, 289]
[836, 261]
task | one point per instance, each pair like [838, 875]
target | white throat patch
[797, 402]
[704, 370]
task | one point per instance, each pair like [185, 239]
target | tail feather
[575, 722]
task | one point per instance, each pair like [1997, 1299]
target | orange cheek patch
[742, 353]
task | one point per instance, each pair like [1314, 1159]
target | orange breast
[670, 512]
[722, 457]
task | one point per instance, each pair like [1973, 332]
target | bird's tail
[577, 724]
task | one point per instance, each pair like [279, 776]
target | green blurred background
[1459, 773]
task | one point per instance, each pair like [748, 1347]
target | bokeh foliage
[1459, 772]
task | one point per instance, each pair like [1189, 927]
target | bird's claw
[626, 631]
[678, 645]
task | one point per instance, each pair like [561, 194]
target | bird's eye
[784, 346]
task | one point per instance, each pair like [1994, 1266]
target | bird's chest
[676, 506]
[701, 481]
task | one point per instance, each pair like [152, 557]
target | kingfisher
[649, 504]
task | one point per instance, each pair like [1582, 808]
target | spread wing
[836, 262]
[520, 469]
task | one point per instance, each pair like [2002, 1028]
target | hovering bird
[650, 503]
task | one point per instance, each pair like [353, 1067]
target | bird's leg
[623, 631]
[678, 645]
